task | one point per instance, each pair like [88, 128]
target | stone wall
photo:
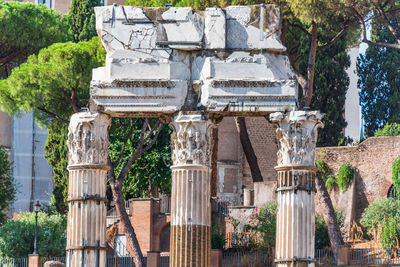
[372, 161]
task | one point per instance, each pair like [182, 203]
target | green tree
[150, 173]
[53, 84]
[83, 19]
[57, 156]
[7, 186]
[25, 28]
[17, 236]
[396, 174]
[390, 129]
[379, 81]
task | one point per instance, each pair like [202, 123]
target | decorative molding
[296, 133]
[88, 138]
[191, 140]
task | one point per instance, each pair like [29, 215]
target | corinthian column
[297, 136]
[190, 203]
[87, 165]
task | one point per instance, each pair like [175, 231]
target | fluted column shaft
[87, 165]
[295, 225]
[190, 196]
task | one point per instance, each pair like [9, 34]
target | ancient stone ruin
[192, 68]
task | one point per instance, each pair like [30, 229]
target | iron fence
[122, 261]
[46, 259]
[247, 258]
[374, 256]
[324, 257]
[164, 261]
[9, 262]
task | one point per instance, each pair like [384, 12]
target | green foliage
[57, 156]
[83, 19]
[330, 86]
[25, 28]
[390, 233]
[321, 232]
[379, 80]
[390, 129]
[54, 83]
[330, 182]
[7, 186]
[378, 211]
[326, 174]
[17, 236]
[265, 223]
[396, 174]
[345, 175]
[217, 238]
[151, 170]
[321, 229]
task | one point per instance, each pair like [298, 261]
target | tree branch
[53, 115]
[387, 21]
[364, 34]
[124, 145]
[334, 39]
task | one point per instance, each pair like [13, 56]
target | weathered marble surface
[161, 60]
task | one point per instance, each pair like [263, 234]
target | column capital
[191, 139]
[296, 133]
[88, 138]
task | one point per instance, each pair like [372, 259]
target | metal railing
[10, 262]
[324, 257]
[122, 261]
[164, 261]
[374, 256]
[247, 258]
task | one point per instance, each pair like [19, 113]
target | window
[392, 193]
[120, 246]
[45, 2]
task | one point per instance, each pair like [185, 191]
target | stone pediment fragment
[162, 60]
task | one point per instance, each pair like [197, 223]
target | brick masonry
[372, 161]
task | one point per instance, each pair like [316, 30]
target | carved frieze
[88, 138]
[191, 139]
[296, 133]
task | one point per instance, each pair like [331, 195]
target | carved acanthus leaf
[191, 140]
[88, 138]
[296, 133]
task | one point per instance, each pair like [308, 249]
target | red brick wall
[372, 161]
[262, 136]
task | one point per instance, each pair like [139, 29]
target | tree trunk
[248, 149]
[214, 159]
[126, 224]
[308, 89]
[335, 236]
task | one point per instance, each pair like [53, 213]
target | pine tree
[379, 81]
[83, 19]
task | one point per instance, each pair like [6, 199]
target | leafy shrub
[390, 233]
[7, 185]
[321, 232]
[396, 174]
[390, 129]
[345, 175]
[217, 239]
[377, 213]
[326, 174]
[17, 236]
[265, 223]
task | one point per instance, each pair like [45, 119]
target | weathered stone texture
[161, 60]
